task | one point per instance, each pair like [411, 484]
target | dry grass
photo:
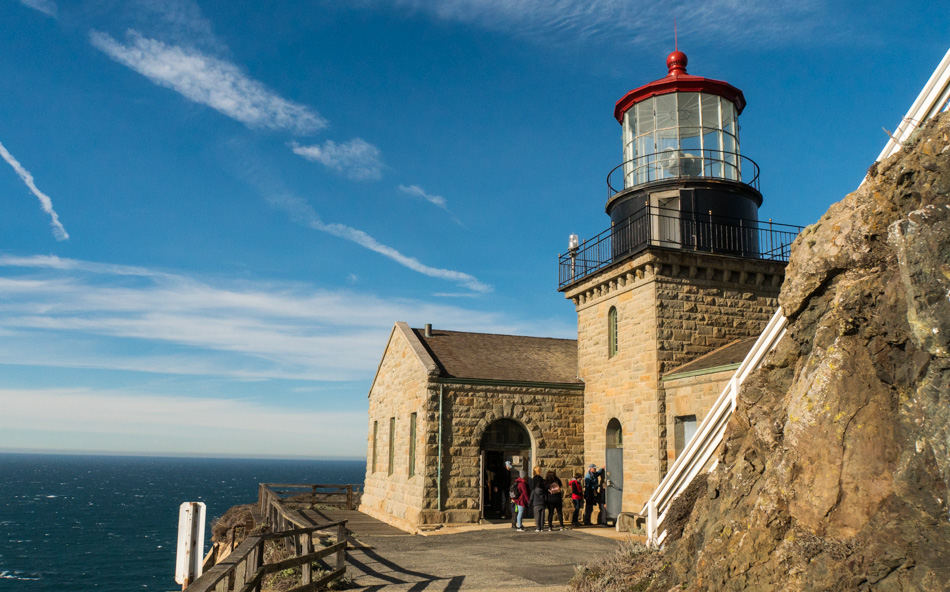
[633, 568]
[678, 515]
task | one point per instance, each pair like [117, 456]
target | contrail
[58, 231]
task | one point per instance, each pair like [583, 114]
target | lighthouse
[669, 296]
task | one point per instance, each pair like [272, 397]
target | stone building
[669, 300]
[448, 408]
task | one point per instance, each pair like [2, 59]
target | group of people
[545, 495]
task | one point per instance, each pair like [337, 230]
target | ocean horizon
[75, 522]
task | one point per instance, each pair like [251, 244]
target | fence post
[306, 569]
[259, 563]
[349, 497]
[341, 538]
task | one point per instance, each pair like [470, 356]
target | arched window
[614, 434]
[612, 332]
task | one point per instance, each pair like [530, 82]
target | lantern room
[681, 149]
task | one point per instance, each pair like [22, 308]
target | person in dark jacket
[538, 503]
[521, 501]
[500, 500]
[577, 496]
[536, 478]
[554, 499]
[592, 487]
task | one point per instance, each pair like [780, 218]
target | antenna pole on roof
[676, 43]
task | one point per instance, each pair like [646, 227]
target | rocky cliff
[835, 468]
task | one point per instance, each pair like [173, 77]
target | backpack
[554, 488]
[513, 492]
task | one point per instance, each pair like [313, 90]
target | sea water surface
[110, 523]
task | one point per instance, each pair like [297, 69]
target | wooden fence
[244, 569]
[272, 495]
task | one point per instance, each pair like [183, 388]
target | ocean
[110, 523]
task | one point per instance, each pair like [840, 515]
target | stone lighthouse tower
[684, 275]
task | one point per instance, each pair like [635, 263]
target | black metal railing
[657, 227]
[683, 164]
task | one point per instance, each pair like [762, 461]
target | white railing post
[651, 523]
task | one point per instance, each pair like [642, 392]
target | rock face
[835, 468]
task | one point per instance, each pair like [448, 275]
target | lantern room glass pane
[645, 117]
[646, 149]
[666, 111]
[688, 109]
[710, 111]
[728, 113]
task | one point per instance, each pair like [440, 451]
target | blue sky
[212, 213]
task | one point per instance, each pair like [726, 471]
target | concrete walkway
[488, 557]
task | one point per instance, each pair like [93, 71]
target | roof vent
[428, 329]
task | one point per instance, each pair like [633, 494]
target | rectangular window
[375, 433]
[392, 444]
[684, 428]
[412, 444]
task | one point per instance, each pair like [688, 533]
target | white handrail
[933, 98]
[709, 433]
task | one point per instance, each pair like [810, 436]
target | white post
[651, 523]
[191, 542]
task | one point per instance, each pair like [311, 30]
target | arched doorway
[614, 457]
[503, 440]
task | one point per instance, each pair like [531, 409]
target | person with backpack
[539, 503]
[554, 499]
[577, 496]
[592, 488]
[519, 497]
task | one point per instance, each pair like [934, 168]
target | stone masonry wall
[400, 389]
[672, 307]
[552, 417]
[691, 395]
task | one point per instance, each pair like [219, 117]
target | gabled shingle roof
[726, 355]
[487, 356]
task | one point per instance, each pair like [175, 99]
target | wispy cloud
[210, 81]
[47, 7]
[629, 22]
[160, 423]
[356, 158]
[301, 212]
[81, 314]
[304, 214]
[420, 192]
[45, 202]
[436, 200]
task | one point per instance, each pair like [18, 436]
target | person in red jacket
[521, 501]
[577, 496]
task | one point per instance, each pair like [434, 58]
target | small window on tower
[612, 332]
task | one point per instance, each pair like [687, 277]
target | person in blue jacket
[593, 484]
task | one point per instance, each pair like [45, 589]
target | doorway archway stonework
[552, 417]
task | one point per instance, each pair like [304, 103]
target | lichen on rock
[834, 473]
